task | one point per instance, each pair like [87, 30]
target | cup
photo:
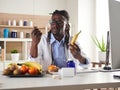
[31, 24]
[0, 53]
[6, 33]
[21, 35]
[0, 34]
[21, 23]
[25, 23]
[9, 22]
[27, 35]
[14, 34]
[0, 50]
[14, 23]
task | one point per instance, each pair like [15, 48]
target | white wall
[102, 20]
[72, 7]
[87, 25]
[42, 7]
[37, 7]
[16, 6]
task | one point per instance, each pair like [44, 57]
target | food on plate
[33, 71]
[9, 70]
[6, 71]
[16, 72]
[53, 68]
[33, 64]
[26, 68]
[12, 66]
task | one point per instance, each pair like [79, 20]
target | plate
[26, 75]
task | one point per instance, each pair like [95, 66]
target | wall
[37, 7]
[42, 7]
[72, 7]
[87, 25]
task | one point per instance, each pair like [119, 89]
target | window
[93, 19]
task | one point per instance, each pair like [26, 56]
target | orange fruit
[33, 71]
[52, 68]
[24, 69]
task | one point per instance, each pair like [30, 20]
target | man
[54, 48]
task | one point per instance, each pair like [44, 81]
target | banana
[75, 38]
[33, 64]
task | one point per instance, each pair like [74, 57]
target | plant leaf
[100, 45]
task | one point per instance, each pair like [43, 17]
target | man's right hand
[36, 36]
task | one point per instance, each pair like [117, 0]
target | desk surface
[78, 82]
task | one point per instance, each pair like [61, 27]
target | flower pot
[101, 56]
[15, 56]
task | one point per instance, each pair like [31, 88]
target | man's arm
[76, 52]
[36, 36]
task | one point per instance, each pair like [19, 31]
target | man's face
[57, 24]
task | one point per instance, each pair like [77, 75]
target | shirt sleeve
[86, 65]
[39, 57]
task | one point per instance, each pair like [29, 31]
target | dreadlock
[66, 15]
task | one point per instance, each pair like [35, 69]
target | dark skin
[58, 32]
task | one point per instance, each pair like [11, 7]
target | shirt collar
[52, 40]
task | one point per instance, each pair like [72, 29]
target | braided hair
[65, 14]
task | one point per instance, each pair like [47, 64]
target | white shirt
[45, 55]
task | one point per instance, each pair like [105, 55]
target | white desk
[79, 82]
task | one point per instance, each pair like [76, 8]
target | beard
[57, 32]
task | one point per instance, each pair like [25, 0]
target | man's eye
[59, 22]
[55, 22]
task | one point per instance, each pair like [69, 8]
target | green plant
[100, 44]
[14, 51]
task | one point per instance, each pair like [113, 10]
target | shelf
[15, 39]
[10, 61]
[23, 45]
[23, 27]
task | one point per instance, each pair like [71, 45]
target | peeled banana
[75, 38]
[33, 64]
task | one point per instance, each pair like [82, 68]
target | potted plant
[102, 47]
[14, 55]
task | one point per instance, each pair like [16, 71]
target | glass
[14, 34]
[27, 35]
[6, 33]
[56, 22]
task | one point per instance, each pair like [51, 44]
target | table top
[78, 82]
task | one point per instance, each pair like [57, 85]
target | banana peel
[75, 38]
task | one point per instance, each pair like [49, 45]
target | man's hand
[76, 52]
[36, 36]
